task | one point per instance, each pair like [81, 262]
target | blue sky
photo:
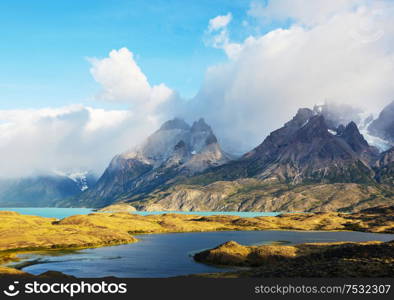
[289, 54]
[45, 43]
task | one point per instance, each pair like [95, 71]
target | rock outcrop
[345, 259]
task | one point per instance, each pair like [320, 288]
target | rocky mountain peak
[306, 149]
[354, 138]
[301, 118]
[175, 123]
[352, 127]
[201, 125]
[314, 127]
[176, 149]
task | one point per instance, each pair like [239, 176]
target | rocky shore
[364, 259]
[26, 234]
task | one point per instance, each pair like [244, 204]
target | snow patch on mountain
[333, 132]
[381, 144]
[79, 177]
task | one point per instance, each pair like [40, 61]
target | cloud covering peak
[342, 53]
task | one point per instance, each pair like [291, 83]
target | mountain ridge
[293, 164]
[176, 149]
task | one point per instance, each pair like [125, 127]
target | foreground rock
[365, 259]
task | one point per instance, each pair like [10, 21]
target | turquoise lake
[60, 213]
[49, 212]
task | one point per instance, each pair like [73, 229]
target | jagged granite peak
[312, 153]
[383, 126]
[354, 138]
[176, 123]
[304, 150]
[279, 137]
[196, 141]
[315, 127]
[176, 149]
[338, 115]
[157, 148]
[200, 125]
[303, 166]
[301, 118]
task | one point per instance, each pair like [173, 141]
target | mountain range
[314, 162]
[43, 190]
[317, 161]
[176, 150]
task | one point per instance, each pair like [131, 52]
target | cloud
[342, 53]
[67, 139]
[301, 11]
[219, 22]
[80, 138]
[345, 54]
[122, 80]
[217, 35]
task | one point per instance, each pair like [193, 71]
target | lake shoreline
[335, 259]
[106, 229]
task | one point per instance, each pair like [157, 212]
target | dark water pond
[166, 255]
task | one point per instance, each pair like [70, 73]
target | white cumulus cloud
[217, 35]
[80, 138]
[67, 139]
[122, 80]
[342, 52]
[344, 55]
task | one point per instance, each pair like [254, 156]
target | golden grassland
[25, 233]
